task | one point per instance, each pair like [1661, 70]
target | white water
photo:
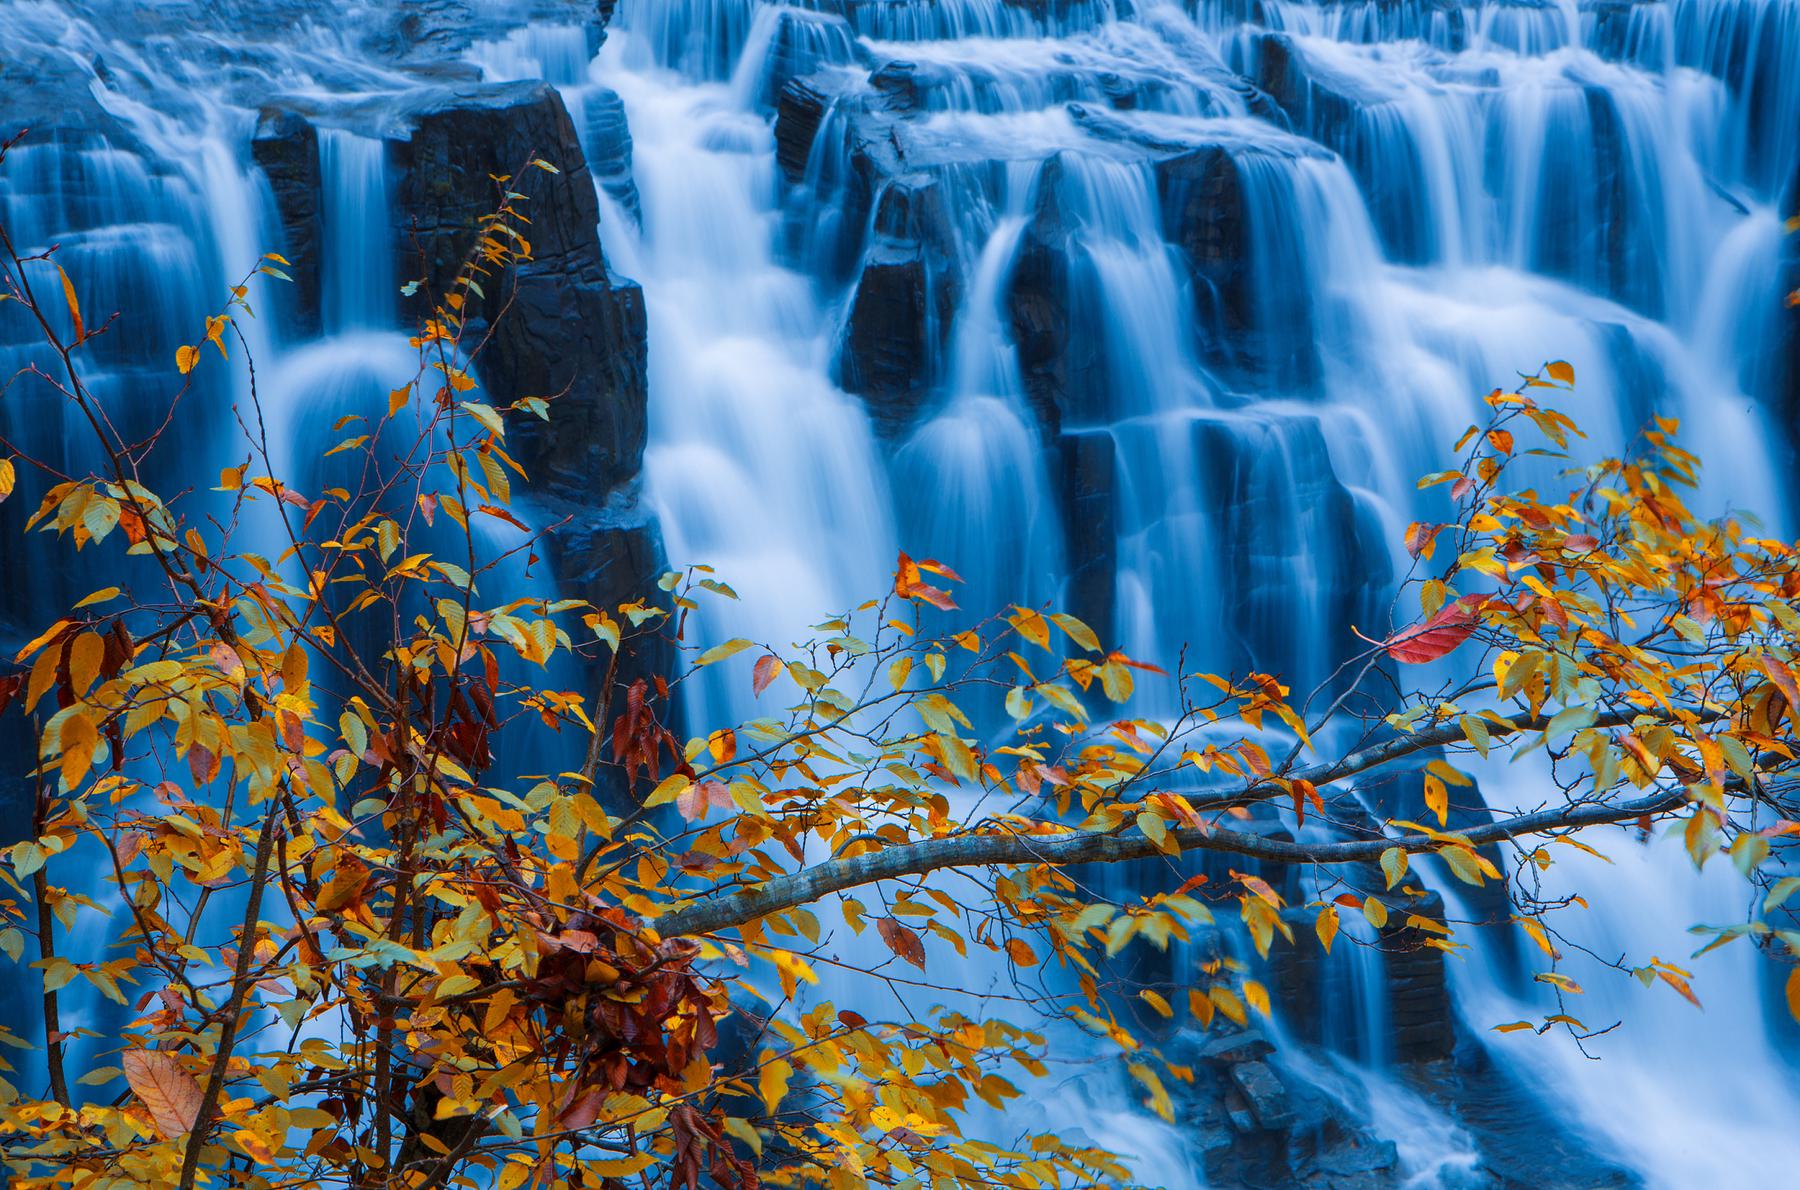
[1507, 184]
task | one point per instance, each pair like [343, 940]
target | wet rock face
[286, 146]
[904, 303]
[572, 333]
[1058, 362]
[606, 140]
[1251, 326]
[1088, 480]
[1253, 1124]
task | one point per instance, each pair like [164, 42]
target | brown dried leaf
[902, 941]
[166, 1088]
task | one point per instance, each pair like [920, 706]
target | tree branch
[234, 1006]
[1078, 847]
[976, 851]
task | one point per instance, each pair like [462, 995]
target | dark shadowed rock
[905, 300]
[1420, 1013]
[798, 113]
[573, 333]
[1087, 481]
[1061, 368]
[1204, 211]
[1265, 1094]
[286, 146]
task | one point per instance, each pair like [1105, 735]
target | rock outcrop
[286, 147]
[905, 300]
[571, 331]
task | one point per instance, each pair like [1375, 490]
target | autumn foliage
[471, 905]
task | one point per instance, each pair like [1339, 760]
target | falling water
[1188, 294]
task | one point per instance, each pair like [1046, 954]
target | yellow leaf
[667, 790]
[8, 477]
[1159, 1097]
[1157, 1002]
[1326, 927]
[1375, 911]
[1793, 993]
[498, 1010]
[1437, 798]
[1078, 632]
[85, 655]
[1561, 370]
[186, 357]
[346, 885]
[79, 739]
[624, 1167]
[773, 1083]
[1257, 996]
[1538, 935]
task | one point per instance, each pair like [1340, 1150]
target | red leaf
[1439, 635]
[1461, 488]
[902, 941]
[496, 513]
[584, 1110]
[764, 673]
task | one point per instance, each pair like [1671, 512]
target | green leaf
[1784, 888]
[1568, 721]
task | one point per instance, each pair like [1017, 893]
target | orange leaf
[1679, 984]
[1419, 538]
[346, 885]
[74, 306]
[166, 1088]
[908, 583]
[1260, 887]
[1783, 677]
[1305, 791]
[764, 673]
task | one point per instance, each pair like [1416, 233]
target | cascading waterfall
[1196, 289]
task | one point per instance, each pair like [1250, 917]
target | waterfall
[1152, 310]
